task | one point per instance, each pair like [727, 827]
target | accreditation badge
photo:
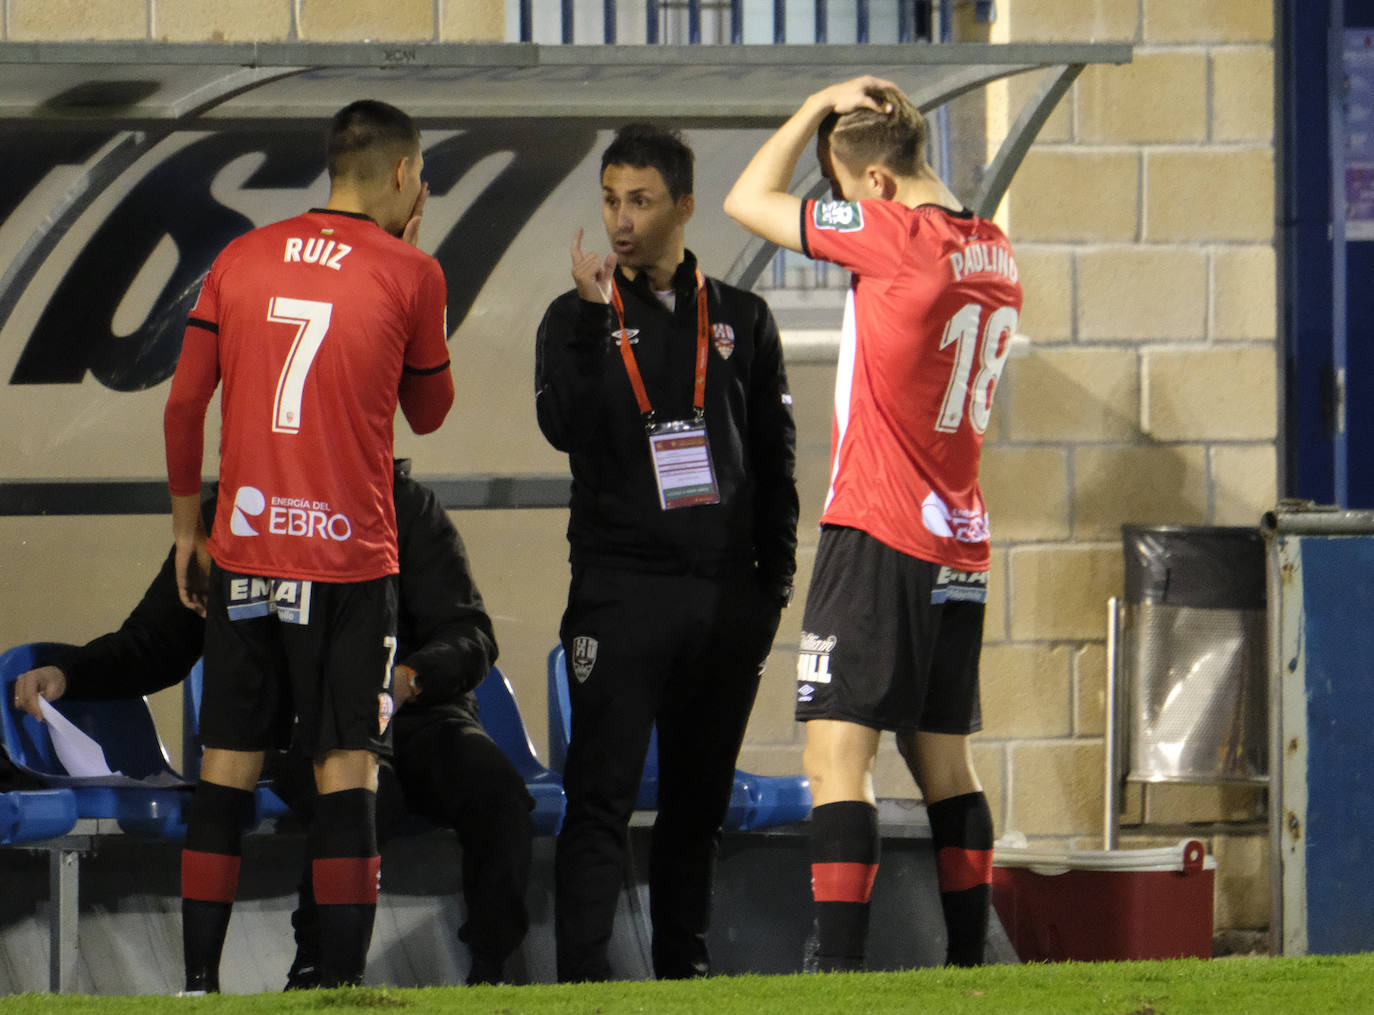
[682, 465]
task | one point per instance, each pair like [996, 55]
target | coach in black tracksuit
[677, 583]
[445, 767]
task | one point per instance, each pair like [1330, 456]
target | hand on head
[591, 274]
[847, 96]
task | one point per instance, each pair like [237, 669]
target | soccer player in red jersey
[893, 621]
[316, 326]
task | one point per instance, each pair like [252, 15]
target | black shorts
[890, 641]
[308, 662]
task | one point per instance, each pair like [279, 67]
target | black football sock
[844, 862]
[305, 922]
[209, 877]
[345, 869]
[961, 829]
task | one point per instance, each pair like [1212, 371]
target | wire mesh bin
[1187, 692]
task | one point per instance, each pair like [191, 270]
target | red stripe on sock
[842, 882]
[209, 877]
[960, 869]
[347, 880]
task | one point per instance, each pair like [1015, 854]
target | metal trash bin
[1187, 689]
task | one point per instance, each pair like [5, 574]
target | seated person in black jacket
[445, 767]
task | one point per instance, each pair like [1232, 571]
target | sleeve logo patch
[841, 216]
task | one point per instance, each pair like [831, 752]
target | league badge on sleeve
[841, 216]
[584, 657]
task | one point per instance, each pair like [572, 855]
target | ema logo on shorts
[289, 516]
[813, 661]
[249, 596]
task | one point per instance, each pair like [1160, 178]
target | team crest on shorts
[386, 707]
[723, 338]
[584, 657]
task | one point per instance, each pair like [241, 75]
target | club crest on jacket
[723, 338]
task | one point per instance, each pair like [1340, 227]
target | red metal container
[1106, 905]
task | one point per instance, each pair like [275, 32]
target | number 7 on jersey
[311, 318]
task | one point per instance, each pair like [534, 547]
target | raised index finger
[577, 247]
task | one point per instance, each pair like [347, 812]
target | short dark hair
[366, 136]
[866, 137]
[649, 146]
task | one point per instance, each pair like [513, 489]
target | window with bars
[720, 22]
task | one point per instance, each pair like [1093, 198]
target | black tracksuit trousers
[686, 653]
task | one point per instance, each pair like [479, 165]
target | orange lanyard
[632, 366]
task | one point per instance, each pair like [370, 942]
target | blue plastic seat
[756, 801]
[124, 729]
[29, 815]
[501, 718]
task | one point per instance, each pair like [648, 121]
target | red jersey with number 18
[931, 310]
[310, 324]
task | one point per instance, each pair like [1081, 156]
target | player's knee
[486, 775]
[822, 764]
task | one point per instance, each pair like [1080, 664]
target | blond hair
[866, 137]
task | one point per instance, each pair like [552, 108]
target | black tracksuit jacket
[587, 408]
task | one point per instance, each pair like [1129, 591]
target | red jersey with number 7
[932, 306]
[316, 326]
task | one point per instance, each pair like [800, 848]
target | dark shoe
[811, 951]
[201, 981]
[814, 962]
[303, 975]
[484, 970]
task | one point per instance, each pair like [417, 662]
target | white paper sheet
[80, 755]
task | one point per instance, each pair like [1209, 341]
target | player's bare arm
[46, 682]
[591, 274]
[192, 559]
[760, 200]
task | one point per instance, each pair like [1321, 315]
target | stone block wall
[1144, 221]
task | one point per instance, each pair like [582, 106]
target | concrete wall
[1144, 225]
